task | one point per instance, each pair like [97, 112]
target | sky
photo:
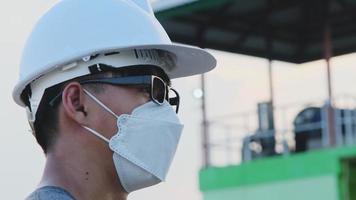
[235, 86]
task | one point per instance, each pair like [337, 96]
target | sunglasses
[158, 89]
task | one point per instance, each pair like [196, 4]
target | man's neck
[83, 174]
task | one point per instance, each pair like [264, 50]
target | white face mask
[144, 145]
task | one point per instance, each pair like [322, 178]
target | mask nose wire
[106, 108]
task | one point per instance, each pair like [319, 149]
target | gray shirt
[50, 193]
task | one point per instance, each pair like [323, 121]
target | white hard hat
[75, 29]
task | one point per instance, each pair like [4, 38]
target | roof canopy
[286, 30]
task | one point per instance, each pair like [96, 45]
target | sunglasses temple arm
[177, 108]
[175, 100]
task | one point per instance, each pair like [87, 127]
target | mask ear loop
[97, 134]
[100, 103]
[106, 108]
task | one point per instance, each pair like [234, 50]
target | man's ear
[73, 102]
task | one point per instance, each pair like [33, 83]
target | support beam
[205, 127]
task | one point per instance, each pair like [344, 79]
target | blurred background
[276, 117]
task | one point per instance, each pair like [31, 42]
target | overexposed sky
[237, 84]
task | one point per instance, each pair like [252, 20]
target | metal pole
[205, 127]
[270, 76]
[328, 55]
[269, 50]
[270, 81]
[330, 109]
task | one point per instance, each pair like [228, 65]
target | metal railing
[230, 134]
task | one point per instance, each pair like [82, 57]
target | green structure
[328, 174]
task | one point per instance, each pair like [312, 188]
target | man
[95, 80]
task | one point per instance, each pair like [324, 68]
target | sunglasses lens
[158, 90]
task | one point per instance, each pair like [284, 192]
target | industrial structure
[314, 156]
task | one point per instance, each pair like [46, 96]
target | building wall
[327, 174]
[324, 187]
